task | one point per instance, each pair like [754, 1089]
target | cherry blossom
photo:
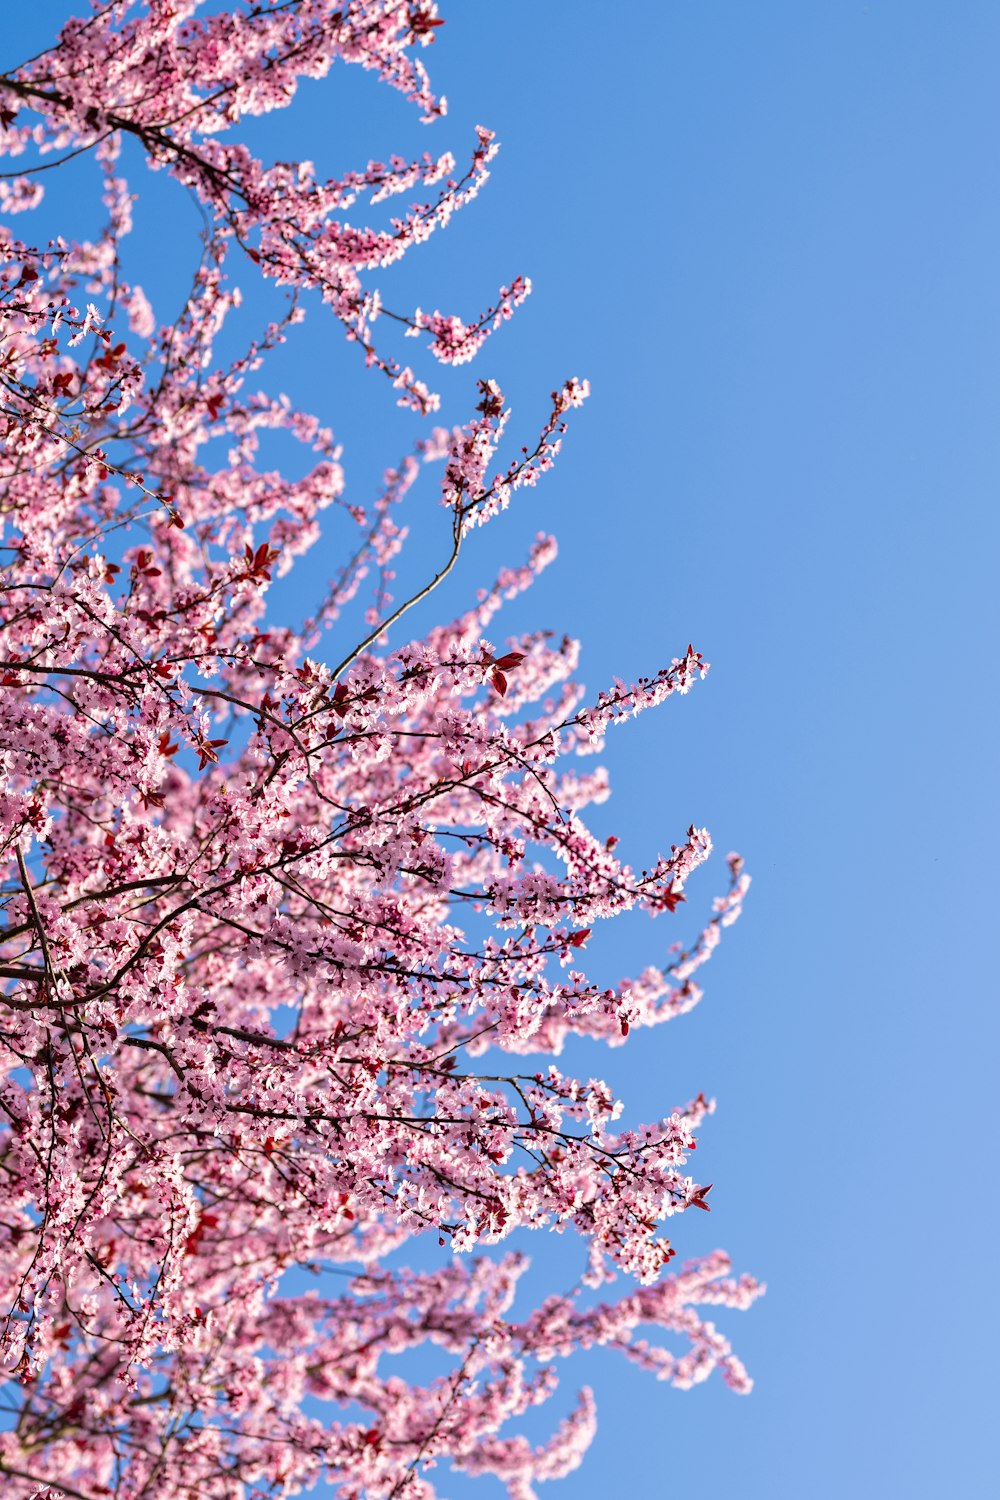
[292, 912]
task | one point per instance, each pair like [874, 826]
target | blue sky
[769, 234]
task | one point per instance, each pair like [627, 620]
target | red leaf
[512, 659]
[577, 939]
[206, 752]
[499, 681]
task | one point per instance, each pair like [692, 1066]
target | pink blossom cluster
[455, 342]
[177, 81]
[284, 908]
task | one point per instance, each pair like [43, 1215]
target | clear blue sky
[769, 234]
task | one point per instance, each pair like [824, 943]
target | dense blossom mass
[287, 911]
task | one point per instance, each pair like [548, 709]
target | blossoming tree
[282, 928]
